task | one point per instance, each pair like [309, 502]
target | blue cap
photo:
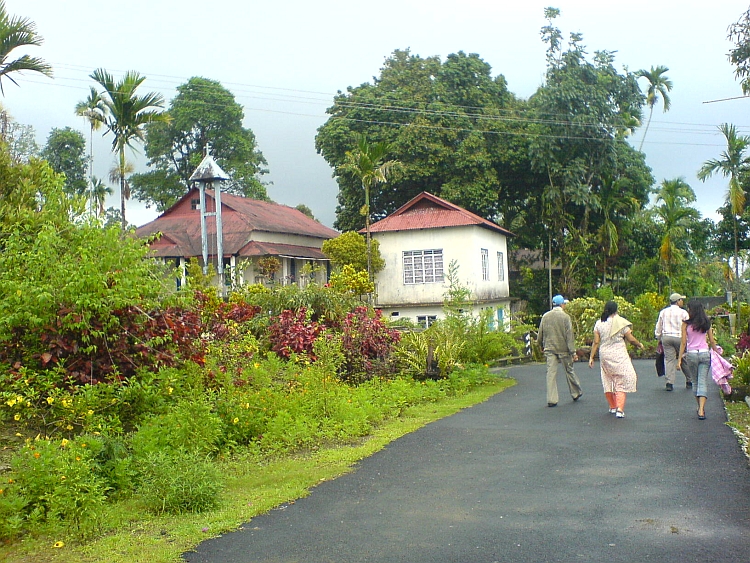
[558, 300]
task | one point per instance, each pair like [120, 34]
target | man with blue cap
[556, 339]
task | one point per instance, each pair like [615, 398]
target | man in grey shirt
[556, 339]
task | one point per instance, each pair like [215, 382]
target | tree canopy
[203, 114]
[452, 126]
[66, 153]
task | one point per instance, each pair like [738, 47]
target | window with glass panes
[423, 266]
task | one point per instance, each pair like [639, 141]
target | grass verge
[738, 418]
[253, 487]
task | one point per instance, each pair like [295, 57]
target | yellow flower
[50, 400]
[11, 481]
[69, 427]
[10, 402]
[17, 416]
[170, 390]
[83, 445]
[37, 455]
[64, 442]
[90, 412]
[59, 544]
[236, 420]
[62, 477]
[1, 491]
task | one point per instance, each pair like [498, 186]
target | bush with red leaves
[97, 354]
[367, 342]
[291, 333]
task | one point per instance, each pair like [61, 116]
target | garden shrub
[190, 426]
[366, 342]
[59, 481]
[179, 482]
[293, 333]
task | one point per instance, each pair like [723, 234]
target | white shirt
[670, 321]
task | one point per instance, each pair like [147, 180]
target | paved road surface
[511, 480]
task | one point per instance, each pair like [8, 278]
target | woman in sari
[618, 375]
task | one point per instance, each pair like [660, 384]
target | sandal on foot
[619, 414]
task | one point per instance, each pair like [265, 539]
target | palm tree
[18, 32]
[367, 163]
[125, 116]
[99, 193]
[92, 109]
[615, 204]
[732, 164]
[676, 216]
[658, 85]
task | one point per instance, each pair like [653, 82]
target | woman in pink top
[697, 337]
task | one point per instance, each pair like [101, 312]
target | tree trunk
[122, 189]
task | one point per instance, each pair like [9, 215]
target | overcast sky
[284, 60]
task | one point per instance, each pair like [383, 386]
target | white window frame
[423, 266]
[485, 264]
[500, 267]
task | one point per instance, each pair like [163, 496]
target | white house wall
[462, 244]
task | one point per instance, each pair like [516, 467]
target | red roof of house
[180, 228]
[427, 211]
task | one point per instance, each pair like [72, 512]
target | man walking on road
[668, 331]
[556, 339]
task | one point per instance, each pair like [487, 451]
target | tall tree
[456, 129]
[658, 86]
[66, 153]
[732, 164]
[92, 109]
[15, 32]
[739, 56]
[99, 193]
[202, 113]
[676, 215]
[583, 113]
[126, 115]
[367, 162]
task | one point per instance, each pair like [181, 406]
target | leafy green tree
[739, 56]
[125, 116]
[20, 138]
[203, 114]
[584, 111]
[66, 153]
[456, 130]
[306, 210]
[350, 249]
[658, 85]
[15, 32]
[676, 216]
[732, 164]
[369, 165]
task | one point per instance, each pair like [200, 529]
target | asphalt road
[511, 480]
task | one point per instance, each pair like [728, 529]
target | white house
[418, 243]
[252, 230]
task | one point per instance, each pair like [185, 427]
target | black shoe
[578, 397]
[670, 386]
[688, 384]
[551, 404]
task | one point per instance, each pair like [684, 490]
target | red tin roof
[427, 211]
[180, 227]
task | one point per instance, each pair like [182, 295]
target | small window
[500, 267]
[195, 204]
[485, 264]
[425, 321]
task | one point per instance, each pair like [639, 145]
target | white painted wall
[461, 244]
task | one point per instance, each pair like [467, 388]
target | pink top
[695, 340]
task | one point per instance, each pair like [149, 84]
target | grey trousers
[553, 360]
[671, 346]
